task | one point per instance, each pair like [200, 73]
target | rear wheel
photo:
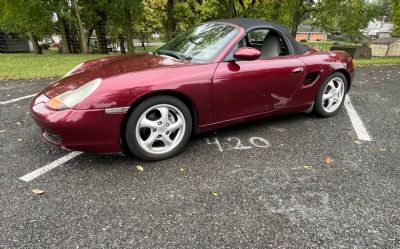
[158, 128]
[331, 95]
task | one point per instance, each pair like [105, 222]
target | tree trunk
[229, 8]
[129, 30]
[36, 48]
[64, 47]
[143, 42]
[89, 36]
[82, 34]
[122, 43]
[296, 22]
[171, 22]
[297, 17]
[101, 34]
[75, 42]
[72, 38]
[129, 39]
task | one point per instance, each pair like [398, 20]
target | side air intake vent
[310, 78]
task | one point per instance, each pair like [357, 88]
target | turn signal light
[55, 104]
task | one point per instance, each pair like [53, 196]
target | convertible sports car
[216, 74]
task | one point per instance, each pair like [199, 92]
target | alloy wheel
[333, 95]
[160, 129]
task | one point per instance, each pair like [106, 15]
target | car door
[246, 88]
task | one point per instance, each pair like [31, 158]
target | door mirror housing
[247, 54]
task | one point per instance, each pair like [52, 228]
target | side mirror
[247, 54]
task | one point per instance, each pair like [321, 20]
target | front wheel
[158, 128]
[331, 95]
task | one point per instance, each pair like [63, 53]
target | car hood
[108, 67]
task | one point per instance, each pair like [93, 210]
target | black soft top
[251, 23]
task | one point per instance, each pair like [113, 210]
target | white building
[376, 27]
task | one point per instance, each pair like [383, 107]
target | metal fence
[381, 47]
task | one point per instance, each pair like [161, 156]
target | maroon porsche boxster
[216, 74]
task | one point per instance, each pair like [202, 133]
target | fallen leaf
[382, 149]
[1, 131]
[307, 166]
[140, 168]
[214, 193]
[37, 191]
[357, 142]
[328, 160]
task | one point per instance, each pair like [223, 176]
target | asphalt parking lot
[265, 184]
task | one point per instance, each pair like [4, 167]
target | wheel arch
[347, 75]
[184, 98]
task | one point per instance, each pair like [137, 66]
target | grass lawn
[52, 64]
[48, 65]
[326, 45]
[377, 61]
[322, 45]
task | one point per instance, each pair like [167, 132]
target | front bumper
[83, 130]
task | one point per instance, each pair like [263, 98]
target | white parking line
[50, 166]
[17, 99]
[358, 125]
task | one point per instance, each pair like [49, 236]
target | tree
[148, 21]
[61, 11]
[348, 17]
[32, 18]
[122, 19]
[351, 21]
[171, 21]
[63, 32]
[82, 32]
[383, 8]
[396, 17]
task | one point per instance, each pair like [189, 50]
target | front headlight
[71, 98]
[70, 72]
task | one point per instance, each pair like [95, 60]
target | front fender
[192, 81]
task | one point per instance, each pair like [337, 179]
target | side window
[257, 36]
[269, 42]
[242, 43]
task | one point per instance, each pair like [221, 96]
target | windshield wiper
[171, 54]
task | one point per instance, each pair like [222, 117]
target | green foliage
[396, 16]
[22, 16]
[121, 13]
[382, 7]
[332, 15]
[345, 16]
[151, 16]
[121, 17]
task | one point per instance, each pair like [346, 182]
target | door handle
[298, 70]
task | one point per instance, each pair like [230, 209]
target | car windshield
[200, 44]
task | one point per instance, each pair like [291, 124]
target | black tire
[130, 131]
[319, 104]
